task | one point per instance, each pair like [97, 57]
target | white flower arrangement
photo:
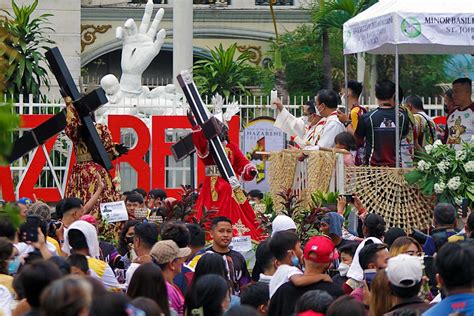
[443, 166]
[439, 187]
[469, 166]
[454, 183]
[461, 155]
[428, 148]
[445, 172]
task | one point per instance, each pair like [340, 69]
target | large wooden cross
[84, 105]
[202, 117]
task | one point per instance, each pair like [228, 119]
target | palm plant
[223, 73]
[331, 15]
[27, 36]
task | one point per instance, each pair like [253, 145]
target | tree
[27, 36]
[223, 73]
[332, 14]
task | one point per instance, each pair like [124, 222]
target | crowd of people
[370, 136]
[56, 263]
[65, 261]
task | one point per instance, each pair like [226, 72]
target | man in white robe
[306, 129]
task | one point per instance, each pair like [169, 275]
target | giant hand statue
[140, 46]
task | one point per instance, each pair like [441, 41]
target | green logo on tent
[411, 27]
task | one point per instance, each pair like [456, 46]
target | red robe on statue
[217, 194]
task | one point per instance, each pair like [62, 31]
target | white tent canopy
[412, 27]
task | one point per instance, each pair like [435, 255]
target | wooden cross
[201, 115]
[84, 105]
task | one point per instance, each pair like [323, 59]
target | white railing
[251, 107]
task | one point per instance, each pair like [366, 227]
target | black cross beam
[188, 86]
[84, 106]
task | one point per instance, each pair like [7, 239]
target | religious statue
[140, 46]
[216, 192]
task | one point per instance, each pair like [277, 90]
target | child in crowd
[346, 140]
[286, 247]
[79, 264]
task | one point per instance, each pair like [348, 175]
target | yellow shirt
[7, 282]
[55, 243]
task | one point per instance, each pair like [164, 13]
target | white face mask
[343, 268]
[305, 120]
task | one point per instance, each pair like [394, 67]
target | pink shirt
[176, 298]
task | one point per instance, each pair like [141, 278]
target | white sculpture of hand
[140, 46]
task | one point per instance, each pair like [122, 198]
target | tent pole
[346, 84]
[397, 108]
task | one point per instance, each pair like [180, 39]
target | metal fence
[176, 173]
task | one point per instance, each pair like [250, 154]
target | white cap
[282, 223]
[404, 270]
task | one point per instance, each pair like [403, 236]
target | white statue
[140, 46]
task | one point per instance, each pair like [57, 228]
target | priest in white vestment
[306, 129]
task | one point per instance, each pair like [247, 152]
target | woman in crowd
[380, 300]
[406, 245]
[148, 281]
[210, 296]
[69, 296]
[211, 263]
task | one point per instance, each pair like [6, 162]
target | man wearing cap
[170, 258]
[283, 223]
[318, 254]
[405, 274]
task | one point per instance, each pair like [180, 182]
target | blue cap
[25, 201]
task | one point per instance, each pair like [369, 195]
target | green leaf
[414, 176]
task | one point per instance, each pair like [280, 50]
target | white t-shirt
[281, 276]
[460, 126]
[130, 271]
[24, 248]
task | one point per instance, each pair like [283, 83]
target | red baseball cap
[310, 313]
[322, 249]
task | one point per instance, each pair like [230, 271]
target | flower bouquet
[446, 172]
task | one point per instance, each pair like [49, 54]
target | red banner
[148, 176]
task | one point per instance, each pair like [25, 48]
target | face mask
[295, 261]
[305, 119]
[13, 265]
[252, 203]
[343, 269]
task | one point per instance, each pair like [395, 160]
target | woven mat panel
[320, 168]
[385, 191]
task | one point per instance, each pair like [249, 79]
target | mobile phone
[29, 229]
[349, 198]
[464, 207]
[369, 277]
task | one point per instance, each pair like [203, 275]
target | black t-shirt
[284, 300]
[237, 268]
[378, 129]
